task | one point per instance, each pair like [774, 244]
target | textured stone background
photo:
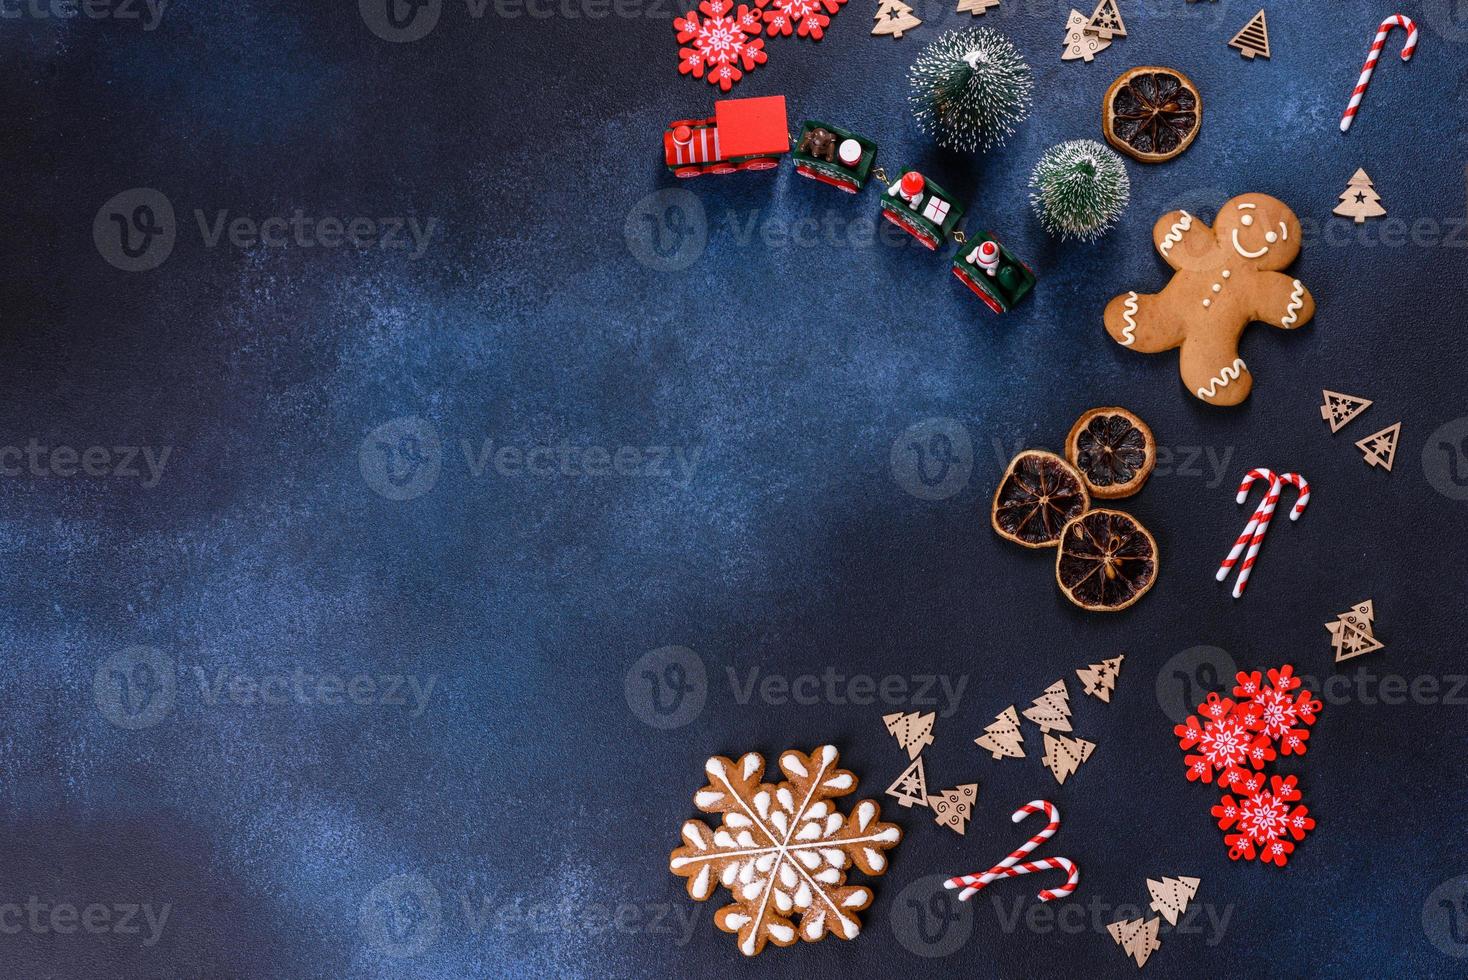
[684, 428]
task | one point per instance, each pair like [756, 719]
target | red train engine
[742, 134]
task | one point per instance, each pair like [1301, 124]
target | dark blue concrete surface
[356, 681]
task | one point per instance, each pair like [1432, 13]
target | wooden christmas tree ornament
[1051, 710]
[1080, 43]
[1099, 680]
[1359, 200]
[1063, 756]
[914, 732]
[1254, 38]
[1002, 736]
[976, 7]
[1380, 448]
[894, 17]
[1137, 939]
[1340, 409]
[1170, 896]
[911, 788]
[1351, 635]
[953, 807]
[1106, 22]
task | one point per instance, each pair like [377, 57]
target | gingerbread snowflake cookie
[782, 849]
[1226, 277]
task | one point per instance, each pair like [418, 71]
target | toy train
[742, 134]
[752, 134]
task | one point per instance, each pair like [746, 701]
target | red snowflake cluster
[1268, 719]
[721, 43]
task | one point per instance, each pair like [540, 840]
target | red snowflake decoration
[807, 18]
[721, 42]
[1265, 823]
[1225, 741]
[1280, 712]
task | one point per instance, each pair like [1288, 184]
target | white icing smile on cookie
[1245, 252]
[1247, 220]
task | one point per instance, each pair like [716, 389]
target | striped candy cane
[1274, 482]
[1073, 875]
[1302, 493]
[1266, 511]
[1372, 56]
[971, 883]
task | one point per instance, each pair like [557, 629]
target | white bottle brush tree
[1079, 189]
[970, 88]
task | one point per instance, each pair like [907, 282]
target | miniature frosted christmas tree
[1051, 710]
[1002, 736]
[1063, 756]
[970, 88]
[1359, 200]
[893, 17]
[1078, 189]
[1170, 896]
[1099, 680]
[914, 732]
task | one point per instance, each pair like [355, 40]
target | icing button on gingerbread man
[1225, 277]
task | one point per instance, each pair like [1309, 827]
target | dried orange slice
[1040, 492]
[1113, 450]
[1107, 560]
[1151, 114]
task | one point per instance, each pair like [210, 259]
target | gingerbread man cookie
[1226, 277]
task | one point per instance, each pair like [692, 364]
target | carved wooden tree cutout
[1051, 710]
[1099, 680]
[1002, 736]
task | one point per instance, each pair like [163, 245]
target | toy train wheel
[686, 172]
[760, 163]
[722, 168]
